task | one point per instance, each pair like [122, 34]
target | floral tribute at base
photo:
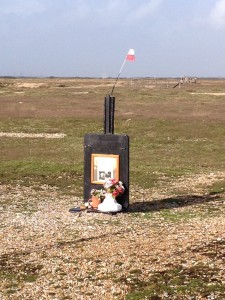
[105, 199]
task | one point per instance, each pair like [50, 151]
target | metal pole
[118, 75]
[109, 114]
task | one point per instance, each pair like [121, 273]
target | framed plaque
[104, 167]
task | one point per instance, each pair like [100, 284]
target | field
[171, 242]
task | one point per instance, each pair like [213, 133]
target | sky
[90, 38]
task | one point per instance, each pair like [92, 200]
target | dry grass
[171, 243]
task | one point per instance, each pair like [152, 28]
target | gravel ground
[47, 252]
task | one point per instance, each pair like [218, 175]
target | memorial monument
[106, 155]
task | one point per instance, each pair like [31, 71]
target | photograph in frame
[104, 167]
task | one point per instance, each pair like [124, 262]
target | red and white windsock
[130, 55]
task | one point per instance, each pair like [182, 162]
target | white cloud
[217, 15]
[112, 11]
[97, 12]
[76, 11]
[145, 10]
[23, 7]
[72, 11]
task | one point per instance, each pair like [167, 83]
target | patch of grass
[167, 215]
[29, 278]
[135, 271]
[31, 172]
[15, 271]
[165, 146]
[218, 187]
[178, 209]
[58, 161]
[165, 127]
[179, 283]
[174, 216]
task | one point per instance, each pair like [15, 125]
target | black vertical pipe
[109, 114]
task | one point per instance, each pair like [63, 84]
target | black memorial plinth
[106, 145]
[106, 156]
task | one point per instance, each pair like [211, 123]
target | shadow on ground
[173, 202]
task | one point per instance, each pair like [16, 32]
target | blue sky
[91, 37]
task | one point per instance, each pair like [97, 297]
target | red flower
[114, 187]
[115, 193]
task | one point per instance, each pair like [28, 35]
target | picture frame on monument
[104, 167]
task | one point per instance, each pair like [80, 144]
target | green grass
[175, 140]
[15, 272]
[178, 283]
[218, 187]
[169, 215]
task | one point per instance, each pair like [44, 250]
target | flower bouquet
[96, 197]
[112, 189]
